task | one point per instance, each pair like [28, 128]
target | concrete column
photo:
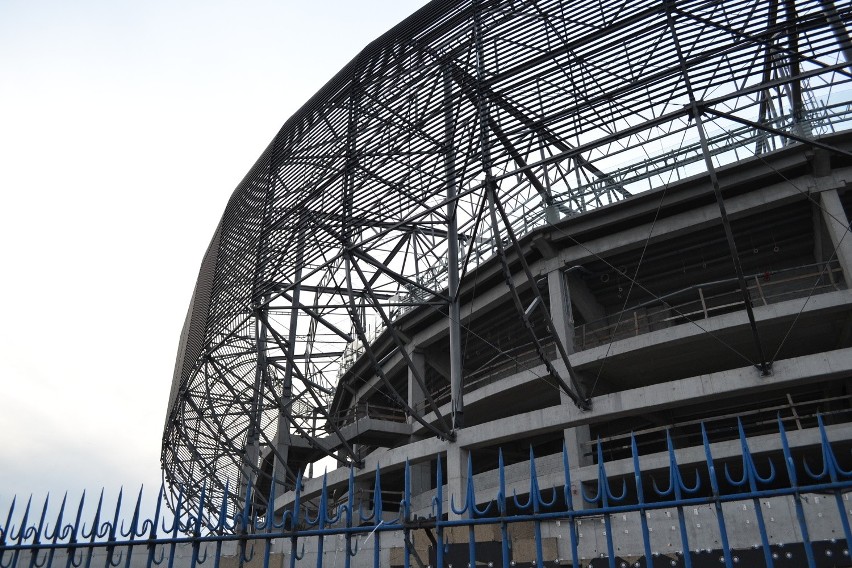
[456, 477]
[579, 455]
[563, 321]
[421, 473]
[577, 443]
[416, 396]
[560, 309]
[837, 224]
[421, 478]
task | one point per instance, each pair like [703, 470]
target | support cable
[813, 200]
[400, 346]
[635, 274]
[574, 391]
[763, 365]
[362, 337]
[823, 270]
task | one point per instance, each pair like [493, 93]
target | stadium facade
[516, 225]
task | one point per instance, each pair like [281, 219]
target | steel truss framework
[466, 126]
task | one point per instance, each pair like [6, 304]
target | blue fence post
[377, 517]
[640, 499]
[604, 495]
[131, 535]
[676, 488]
[93, 534]
[4, 530]
[294, 530]
[714, 487]
[405, 514]
[438, 508]
[175, 529]
[37, 535]
[797, 496]
[152, 535]
[471, 540]
[834, 472]
[501, 508]
[71, 554]
[750, 477]
[569, 502]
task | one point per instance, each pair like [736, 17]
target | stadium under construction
[572, 230]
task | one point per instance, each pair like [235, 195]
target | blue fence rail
[469, 530]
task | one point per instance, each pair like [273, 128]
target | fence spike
[569, 502]
[599, 496]
[222, 521]
[377, 495]
[159, 561]
[196, 525]
[348, 509]
[111, 555]
[72, 539]
[438, 510]
[294, 555]
[640, 498]
[750, 475]
[41, 521]
[467, 499]
[113, 527]
[797, 498]
[150, 525]
[59, 531]
[4, 530]
[270, 507]
[200, 560]
[134, 520]
[835, 471]
[405, 504]
[754, 476]
[73, 559]
[22, 529]
[501, 493]
[177, 514]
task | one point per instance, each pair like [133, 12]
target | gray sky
[124, 128]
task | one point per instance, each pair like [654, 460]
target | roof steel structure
[466, 126]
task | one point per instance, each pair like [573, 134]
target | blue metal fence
[478, 531]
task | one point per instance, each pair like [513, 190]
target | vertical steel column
[456, 378]
[282, 438]
[763, 365]
[762, 144]
[800, 125]
[839, 28]
[481, 98]
[251, 453]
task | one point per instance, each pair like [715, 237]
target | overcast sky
[124, 128]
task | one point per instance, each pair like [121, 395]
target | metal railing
[643, 523]
[369, 410]
[709, 299]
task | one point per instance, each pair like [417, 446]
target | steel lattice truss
[484, 119]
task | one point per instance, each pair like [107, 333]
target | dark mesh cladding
[492, 118]
[192, 335]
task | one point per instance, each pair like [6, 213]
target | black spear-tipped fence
[811, 508]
